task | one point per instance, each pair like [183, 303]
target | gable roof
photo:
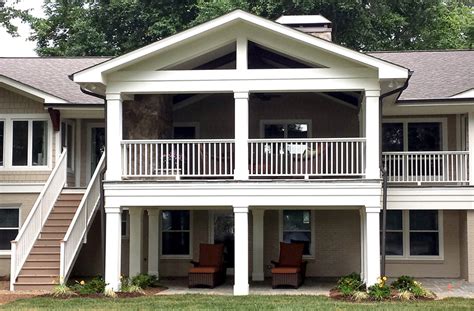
[50, 75]
[436, 74]
[95, 73]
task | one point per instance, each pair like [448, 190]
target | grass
[208, 302]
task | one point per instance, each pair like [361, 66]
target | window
[175, 233]
[67, 141]
[30, 143]
[9, 225]
[286, 129]
[409, 135]
[297, 228]
[125, 226]
[2, 139]
[412, 234]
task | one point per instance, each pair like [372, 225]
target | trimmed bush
[350, 284]
[94, 286]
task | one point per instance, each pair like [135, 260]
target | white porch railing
[79, 226]
[178, 158]
[38, 215]
[427, 166]
[331, 157]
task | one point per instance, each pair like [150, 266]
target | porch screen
[297, 228]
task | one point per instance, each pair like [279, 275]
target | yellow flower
[82, 282]
[380, 285]
[384, 278]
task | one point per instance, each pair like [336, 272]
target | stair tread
[42, 260]
[44, 253]
[38, 275]
[36, 283]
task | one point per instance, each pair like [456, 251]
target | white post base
[113, 247]
[241, 252]
[136, 233]
[153, 241]
[372, 244]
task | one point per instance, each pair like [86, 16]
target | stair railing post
[62, 264]
[13, 266]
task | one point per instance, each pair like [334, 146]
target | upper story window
[9, 226]
[406, 135]
[286, 129]
[297, 227]
[30, 143]
[414, 234]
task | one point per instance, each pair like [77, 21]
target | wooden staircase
[41, 269]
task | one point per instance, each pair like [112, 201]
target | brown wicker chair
[210, 270]
[290, 270]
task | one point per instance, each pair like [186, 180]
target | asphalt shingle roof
[50, 75]
[436, 74]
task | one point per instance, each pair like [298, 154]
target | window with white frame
[176, 233]
[9, 226]
[2, 140]
[67, 141]
[297, 227]
[413, 234]
[30, 143]
[286, 128]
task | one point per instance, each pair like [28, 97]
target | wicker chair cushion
[285, 270]
[211, 255]
[204, 270]
[291, 254]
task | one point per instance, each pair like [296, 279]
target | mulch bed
[147, 292]
[337, 295]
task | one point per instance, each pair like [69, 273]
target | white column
[242, 55]
[114, 136]
[363, 259]
[241, 250]
[77, 169]
[241, 125]
[372, 129]
[136, 233]
[372, 244]
[113, 245]
[471, 147]
[153, 241]
[257, 245]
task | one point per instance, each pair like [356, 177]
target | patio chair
[290, 270]
[210, 270]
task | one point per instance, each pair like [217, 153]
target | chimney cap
[302, 20]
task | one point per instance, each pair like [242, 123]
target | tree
[114, 27]
[8, 13]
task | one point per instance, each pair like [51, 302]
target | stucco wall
[25, 201]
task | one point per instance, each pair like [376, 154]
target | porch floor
[313, 286]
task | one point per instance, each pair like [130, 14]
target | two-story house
[241, 131]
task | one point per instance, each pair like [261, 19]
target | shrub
[144, 280]
[407, 283]
[349, 284]
[62, 290]
[381, 290]
[405, 295]
[404, 283]
[359, 296]
[94, 286]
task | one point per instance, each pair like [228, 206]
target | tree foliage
[8, 13]
[114, 27]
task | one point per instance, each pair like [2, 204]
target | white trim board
[21, 187]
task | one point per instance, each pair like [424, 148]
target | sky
[20, 46]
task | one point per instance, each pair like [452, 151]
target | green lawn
[207, 302]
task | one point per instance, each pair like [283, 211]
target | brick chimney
[316, 25]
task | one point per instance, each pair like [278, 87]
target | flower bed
[140, 285]
[405, 288]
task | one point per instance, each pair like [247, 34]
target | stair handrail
[76, 233]
[31, 228]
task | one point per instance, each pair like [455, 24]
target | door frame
[90, 126]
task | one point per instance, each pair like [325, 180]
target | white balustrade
[178, 158]
[37, 217]
[332, 157]
[81, 222]
[427, 166]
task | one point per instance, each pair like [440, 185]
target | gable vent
[316, 25]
